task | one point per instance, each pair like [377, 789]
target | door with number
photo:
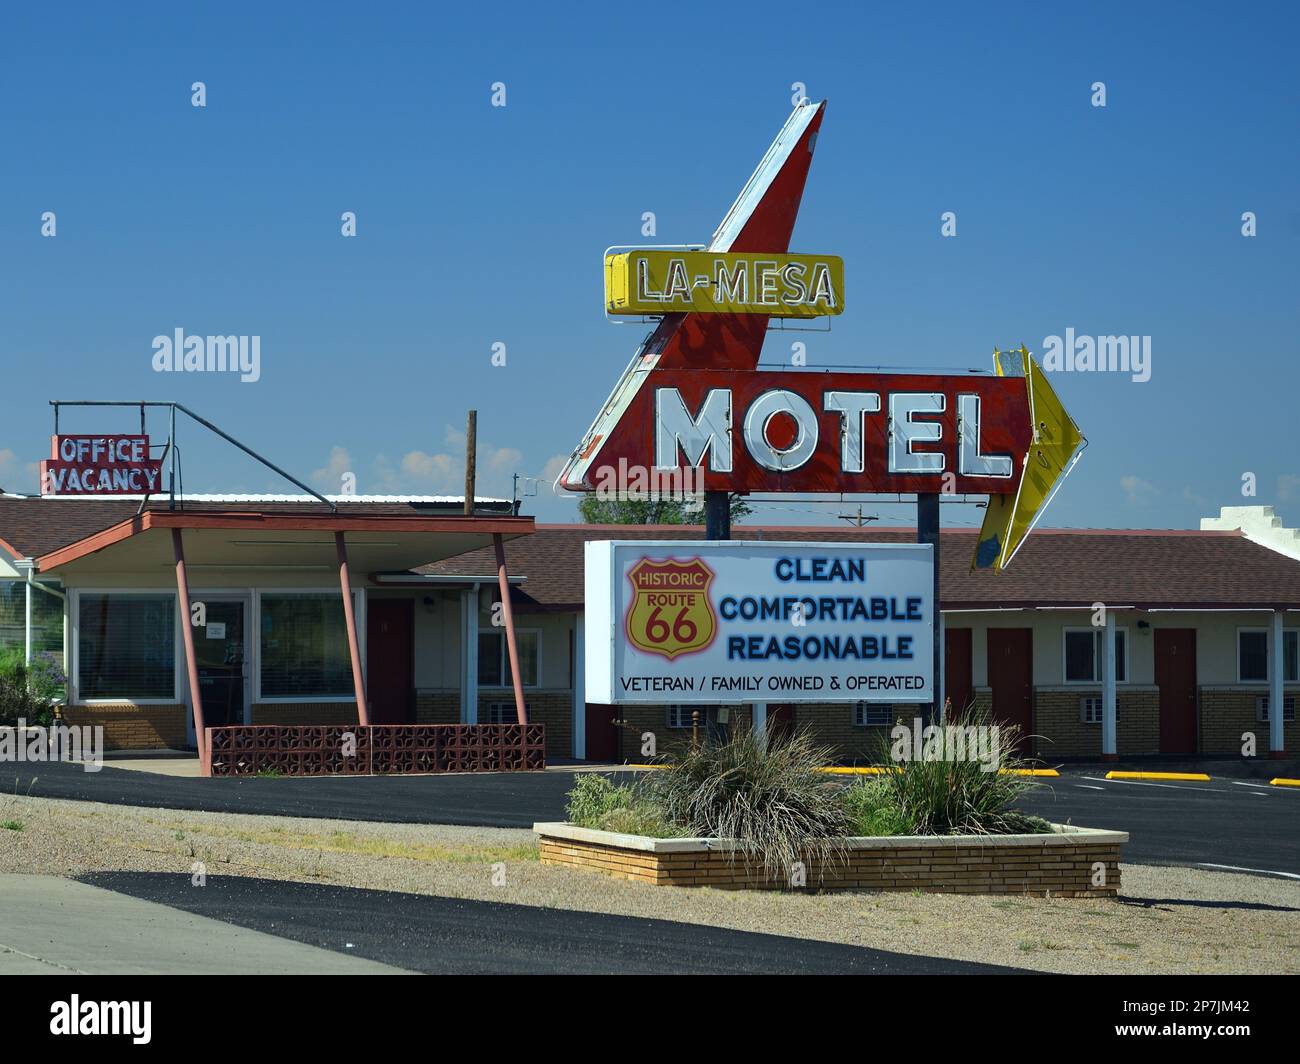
[390, 660]
[1176, 678]
[1010, 658]
[219, 655]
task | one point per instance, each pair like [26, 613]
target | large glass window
[494, 658]
[1085, 655]
[304, 642]
[47, 620]
[126, 646]
[1252, 655]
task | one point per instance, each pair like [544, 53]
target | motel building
[1201, 624]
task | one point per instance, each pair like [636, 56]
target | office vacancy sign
[100, 465]
[726, 622]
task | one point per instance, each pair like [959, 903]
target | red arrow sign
[693, 395]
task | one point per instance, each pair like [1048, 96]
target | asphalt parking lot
[1240, 823]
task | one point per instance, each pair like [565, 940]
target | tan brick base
[131, 727]
[1226, 714]
[1028, 867]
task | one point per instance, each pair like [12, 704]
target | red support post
[354, 644]
[508, 615]
[191, 663]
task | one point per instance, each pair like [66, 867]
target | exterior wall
[437, 707]
[304, 713]
[131, 727]
[1228, 713]
[1226, 708]
[1060, 730]
[639, 721]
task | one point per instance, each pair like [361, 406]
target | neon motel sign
[693, 396]
[100, 465]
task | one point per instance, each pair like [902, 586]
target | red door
[958, 690]
[602, 732]
[390, 660]
[780, 723]
[1011, 677]
[1176, 678]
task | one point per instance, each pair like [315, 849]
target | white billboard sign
[724, 622]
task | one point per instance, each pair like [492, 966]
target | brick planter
[1062, 864]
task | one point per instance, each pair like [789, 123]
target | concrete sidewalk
[55, 926]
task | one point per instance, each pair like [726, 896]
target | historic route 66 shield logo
[670, 612]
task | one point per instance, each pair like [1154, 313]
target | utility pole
[858, 520]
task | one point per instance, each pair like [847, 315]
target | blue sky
[479, 225]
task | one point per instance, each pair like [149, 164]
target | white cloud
[432, 473]
[329, 478]
[1139, 491]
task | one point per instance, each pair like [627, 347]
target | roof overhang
[279, 541]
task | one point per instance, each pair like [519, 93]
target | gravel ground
[1168, 919]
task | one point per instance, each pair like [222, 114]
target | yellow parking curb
[863, 770]
[1282, 782]
[1028, 772]
[1199, 777]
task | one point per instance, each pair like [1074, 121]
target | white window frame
[1268, 665]
[1098, 661]
[1084, 707]
[505, 659]
[507, 712]
[72, 624]
[862, 709]
[1288, 707]
[358, 611]
[683, 711]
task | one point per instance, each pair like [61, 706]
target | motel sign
[693, 397]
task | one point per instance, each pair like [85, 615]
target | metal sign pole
[717, 525]
[927, 531]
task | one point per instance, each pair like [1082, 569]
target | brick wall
[1059, 729]
[131, 727]
[304, 713]
[552, 708]
[437, 707]
[639, 719]
[1228, 712]
[1029, 866]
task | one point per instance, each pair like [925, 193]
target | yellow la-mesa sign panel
[716, 282]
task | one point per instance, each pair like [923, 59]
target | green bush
[29, 691]
[772, 801]
[872, 809]
[596, 803]
[961, 796]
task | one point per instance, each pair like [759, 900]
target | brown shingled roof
[1065, 567]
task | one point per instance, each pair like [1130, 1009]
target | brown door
[958, 690]
[1176, 678]
[602, 732]
[780, 723]
[390, 660]
[1011, 677]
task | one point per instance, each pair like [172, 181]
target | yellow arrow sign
[1056, 448]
